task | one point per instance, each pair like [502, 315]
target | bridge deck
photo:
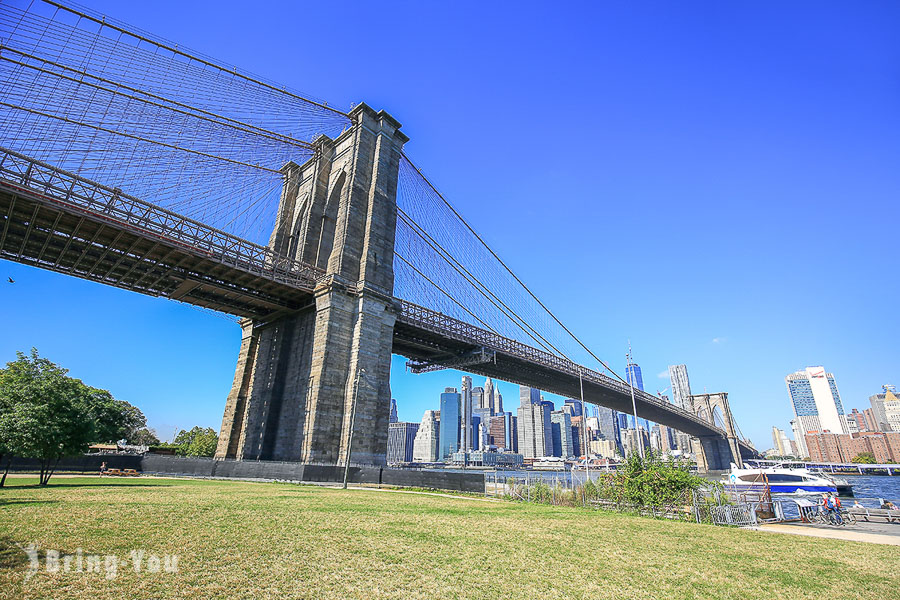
[58, 221]
[426, 335]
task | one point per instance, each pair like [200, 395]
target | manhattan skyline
[748, 200]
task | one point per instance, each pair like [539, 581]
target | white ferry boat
[781, 480]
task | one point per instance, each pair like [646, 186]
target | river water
[871, 486]
[867, 488]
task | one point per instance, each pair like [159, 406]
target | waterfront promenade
[871, 533]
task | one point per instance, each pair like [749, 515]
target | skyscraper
[504, 433]
[451, 403]
[548, 403]
[781, 442]
[499, 432]
[561, 434]
[481, 419]
[527, 394]
[580, 437]
[401, 438]
[609, 424]
[681, 387]
[623, 422]
[574, 407]
[393, 418]
[427, 443]
[667, 439]
[814, 393]
[490, 400]
[816, 403]
[886, 409]
[535, 439]
[465, 435]
[634, 440]
[478, 398]
[633, 377]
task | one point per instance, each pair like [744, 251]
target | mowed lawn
[267, 540]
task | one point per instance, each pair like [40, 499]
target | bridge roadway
[59, 221]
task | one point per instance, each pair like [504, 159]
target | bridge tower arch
[715, 453]
[294, 384]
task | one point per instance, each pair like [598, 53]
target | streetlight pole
[584, 429]
[630, 374]
[352, 426]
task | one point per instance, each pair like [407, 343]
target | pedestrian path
[872, 533]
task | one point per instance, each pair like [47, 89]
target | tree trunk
[51, 471]
[6, 472]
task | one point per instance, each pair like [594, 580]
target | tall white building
[886, 409]
[488, 400]
[781, 443]
[816, 403]
[681, 387]
[426, 445]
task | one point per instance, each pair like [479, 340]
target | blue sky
[716, 183]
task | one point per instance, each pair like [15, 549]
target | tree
[43, 413]
[864, 458]
[144, 437]
[196, 442]
[113, 419]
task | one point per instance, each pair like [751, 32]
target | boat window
[772, 477]
[784, 478]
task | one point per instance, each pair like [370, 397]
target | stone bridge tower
[716, 453]
[295, 379]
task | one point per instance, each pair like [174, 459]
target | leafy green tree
[144, 437]
[864, 458]
[43, 413]
[113, 419]
[198, 441]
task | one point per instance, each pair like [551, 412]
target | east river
[870, 486]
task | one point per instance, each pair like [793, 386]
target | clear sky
[716, 183]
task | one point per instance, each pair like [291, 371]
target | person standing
[835, 505]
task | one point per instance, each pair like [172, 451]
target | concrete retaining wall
[158, 464]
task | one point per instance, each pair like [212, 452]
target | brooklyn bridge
[129, 161]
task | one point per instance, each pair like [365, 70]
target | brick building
[832, 447]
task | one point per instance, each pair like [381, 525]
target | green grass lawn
[258, 540]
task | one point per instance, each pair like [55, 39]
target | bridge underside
[46, 233]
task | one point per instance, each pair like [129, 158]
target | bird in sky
[11, 280]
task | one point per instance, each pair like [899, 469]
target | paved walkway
[872, 533]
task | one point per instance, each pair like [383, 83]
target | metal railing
[26, 175]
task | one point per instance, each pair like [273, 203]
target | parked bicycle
[828, 517]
